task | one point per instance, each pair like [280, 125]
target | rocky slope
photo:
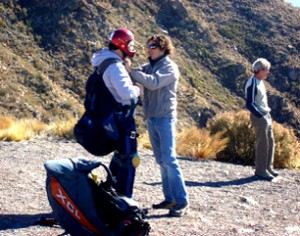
[46, 48]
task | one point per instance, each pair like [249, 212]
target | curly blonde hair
[163, 42]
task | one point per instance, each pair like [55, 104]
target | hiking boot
[179, 210]
[164, 205]
[266, 176]
[272, 172]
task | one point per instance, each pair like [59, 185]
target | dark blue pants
[121, 164]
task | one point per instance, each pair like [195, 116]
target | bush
[144, 141]
[62, 128]
[193, 142]
[18, 130]
[286, 148]
[241, 148]
[237, 127]
[12, 129]
[200, 144]
[5, 122]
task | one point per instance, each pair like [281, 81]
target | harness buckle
[133, 134]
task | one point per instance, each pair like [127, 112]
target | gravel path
[225, 199]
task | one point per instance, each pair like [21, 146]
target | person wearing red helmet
[124, 40]
[118, 82]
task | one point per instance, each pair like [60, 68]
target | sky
[295, 3]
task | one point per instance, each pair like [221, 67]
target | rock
[248, 201]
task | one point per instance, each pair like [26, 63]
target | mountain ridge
[46, 50]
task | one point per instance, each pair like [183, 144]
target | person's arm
[159, 79]
[122, 83]
[251, 91]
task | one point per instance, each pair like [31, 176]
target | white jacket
[116, 78]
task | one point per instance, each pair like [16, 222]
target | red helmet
[123, 39]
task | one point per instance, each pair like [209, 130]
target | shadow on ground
[11, 221]
[219, 184]
[216, 184]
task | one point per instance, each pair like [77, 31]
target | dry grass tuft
[229, 137]
[144, 141]
[200, 144]
[62, 128]
[193, 142]
[19, 130]
[5, 122]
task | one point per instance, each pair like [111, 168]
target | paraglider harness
[85, 206]
[97, 130]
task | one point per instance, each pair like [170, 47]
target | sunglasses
[152, 46]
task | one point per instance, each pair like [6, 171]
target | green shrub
[38, 83]
[231, 31]
[2, 92]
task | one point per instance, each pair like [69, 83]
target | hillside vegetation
[46, 48]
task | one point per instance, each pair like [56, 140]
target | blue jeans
[162, 137]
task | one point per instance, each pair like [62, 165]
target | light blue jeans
[162, 137]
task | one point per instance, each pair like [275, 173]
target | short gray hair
[260, 64]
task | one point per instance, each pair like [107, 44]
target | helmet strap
[124, 55]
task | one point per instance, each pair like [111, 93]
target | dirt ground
[225, 199]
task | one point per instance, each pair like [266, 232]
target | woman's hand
[128, 65]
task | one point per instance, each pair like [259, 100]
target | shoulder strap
[101, 69]
[95, 88]
[105, 64]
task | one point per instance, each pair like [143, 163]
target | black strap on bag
[98, 99]
[87, 205]
[99, 103]
[118, 211]
[102, 110]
